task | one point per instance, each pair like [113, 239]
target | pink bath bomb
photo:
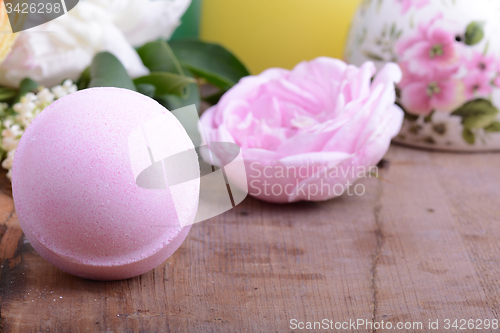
[74, 182]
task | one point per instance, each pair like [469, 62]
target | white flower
[144, 20]
[59, 92]
[7, 163]
[26, 109]
[69, 86]
[11, 135]
[29, 97]
[65, 89]
[45, 97]
[62, 48]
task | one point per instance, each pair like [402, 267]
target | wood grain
[422, 243]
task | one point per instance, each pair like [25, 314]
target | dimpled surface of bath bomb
[75, 191]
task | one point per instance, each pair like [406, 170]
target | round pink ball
[75, 191]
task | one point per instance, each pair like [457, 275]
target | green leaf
[158, 57]
[474, 33]
[468, 136]
[493, 127]
[84, 80]
[146, 89]
[478, 113]
[166, 83]
[7, 93]
[209, 61]
[172, 102]
[27, 85]
[107, 71]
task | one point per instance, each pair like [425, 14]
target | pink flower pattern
[477, 84]
[433, 71]
[406, 5]
[431, 49]
[421, 94]
[482, 63]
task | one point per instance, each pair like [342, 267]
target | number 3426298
[32, 8]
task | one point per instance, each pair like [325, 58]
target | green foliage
[474, 33]
[7, 94]
[158, 57]
[173, 102]
[166, 83]
[107, 71]
[469, 136]
[172, 83]
[84, 80]
[182, 89]
[479, 113]
[212, 62]
[27, 85]
[146, 89]
[493, 127]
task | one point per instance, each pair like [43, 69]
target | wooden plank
[424, 270]
[473, 197]
[421, 244]
[271, 262]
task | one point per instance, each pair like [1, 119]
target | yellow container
[278, 33]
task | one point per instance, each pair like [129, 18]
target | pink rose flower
[308, 133]
[477, 83]
[431, 49]
[407, 4]
[423, 94]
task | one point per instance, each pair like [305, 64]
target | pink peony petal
[322, 113]
[391, 72]
[360, 79]
[317, 158]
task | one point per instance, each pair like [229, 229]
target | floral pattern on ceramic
[450, 60]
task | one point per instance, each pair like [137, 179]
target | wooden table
[422, 243]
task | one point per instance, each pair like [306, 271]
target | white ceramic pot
[449, 52]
